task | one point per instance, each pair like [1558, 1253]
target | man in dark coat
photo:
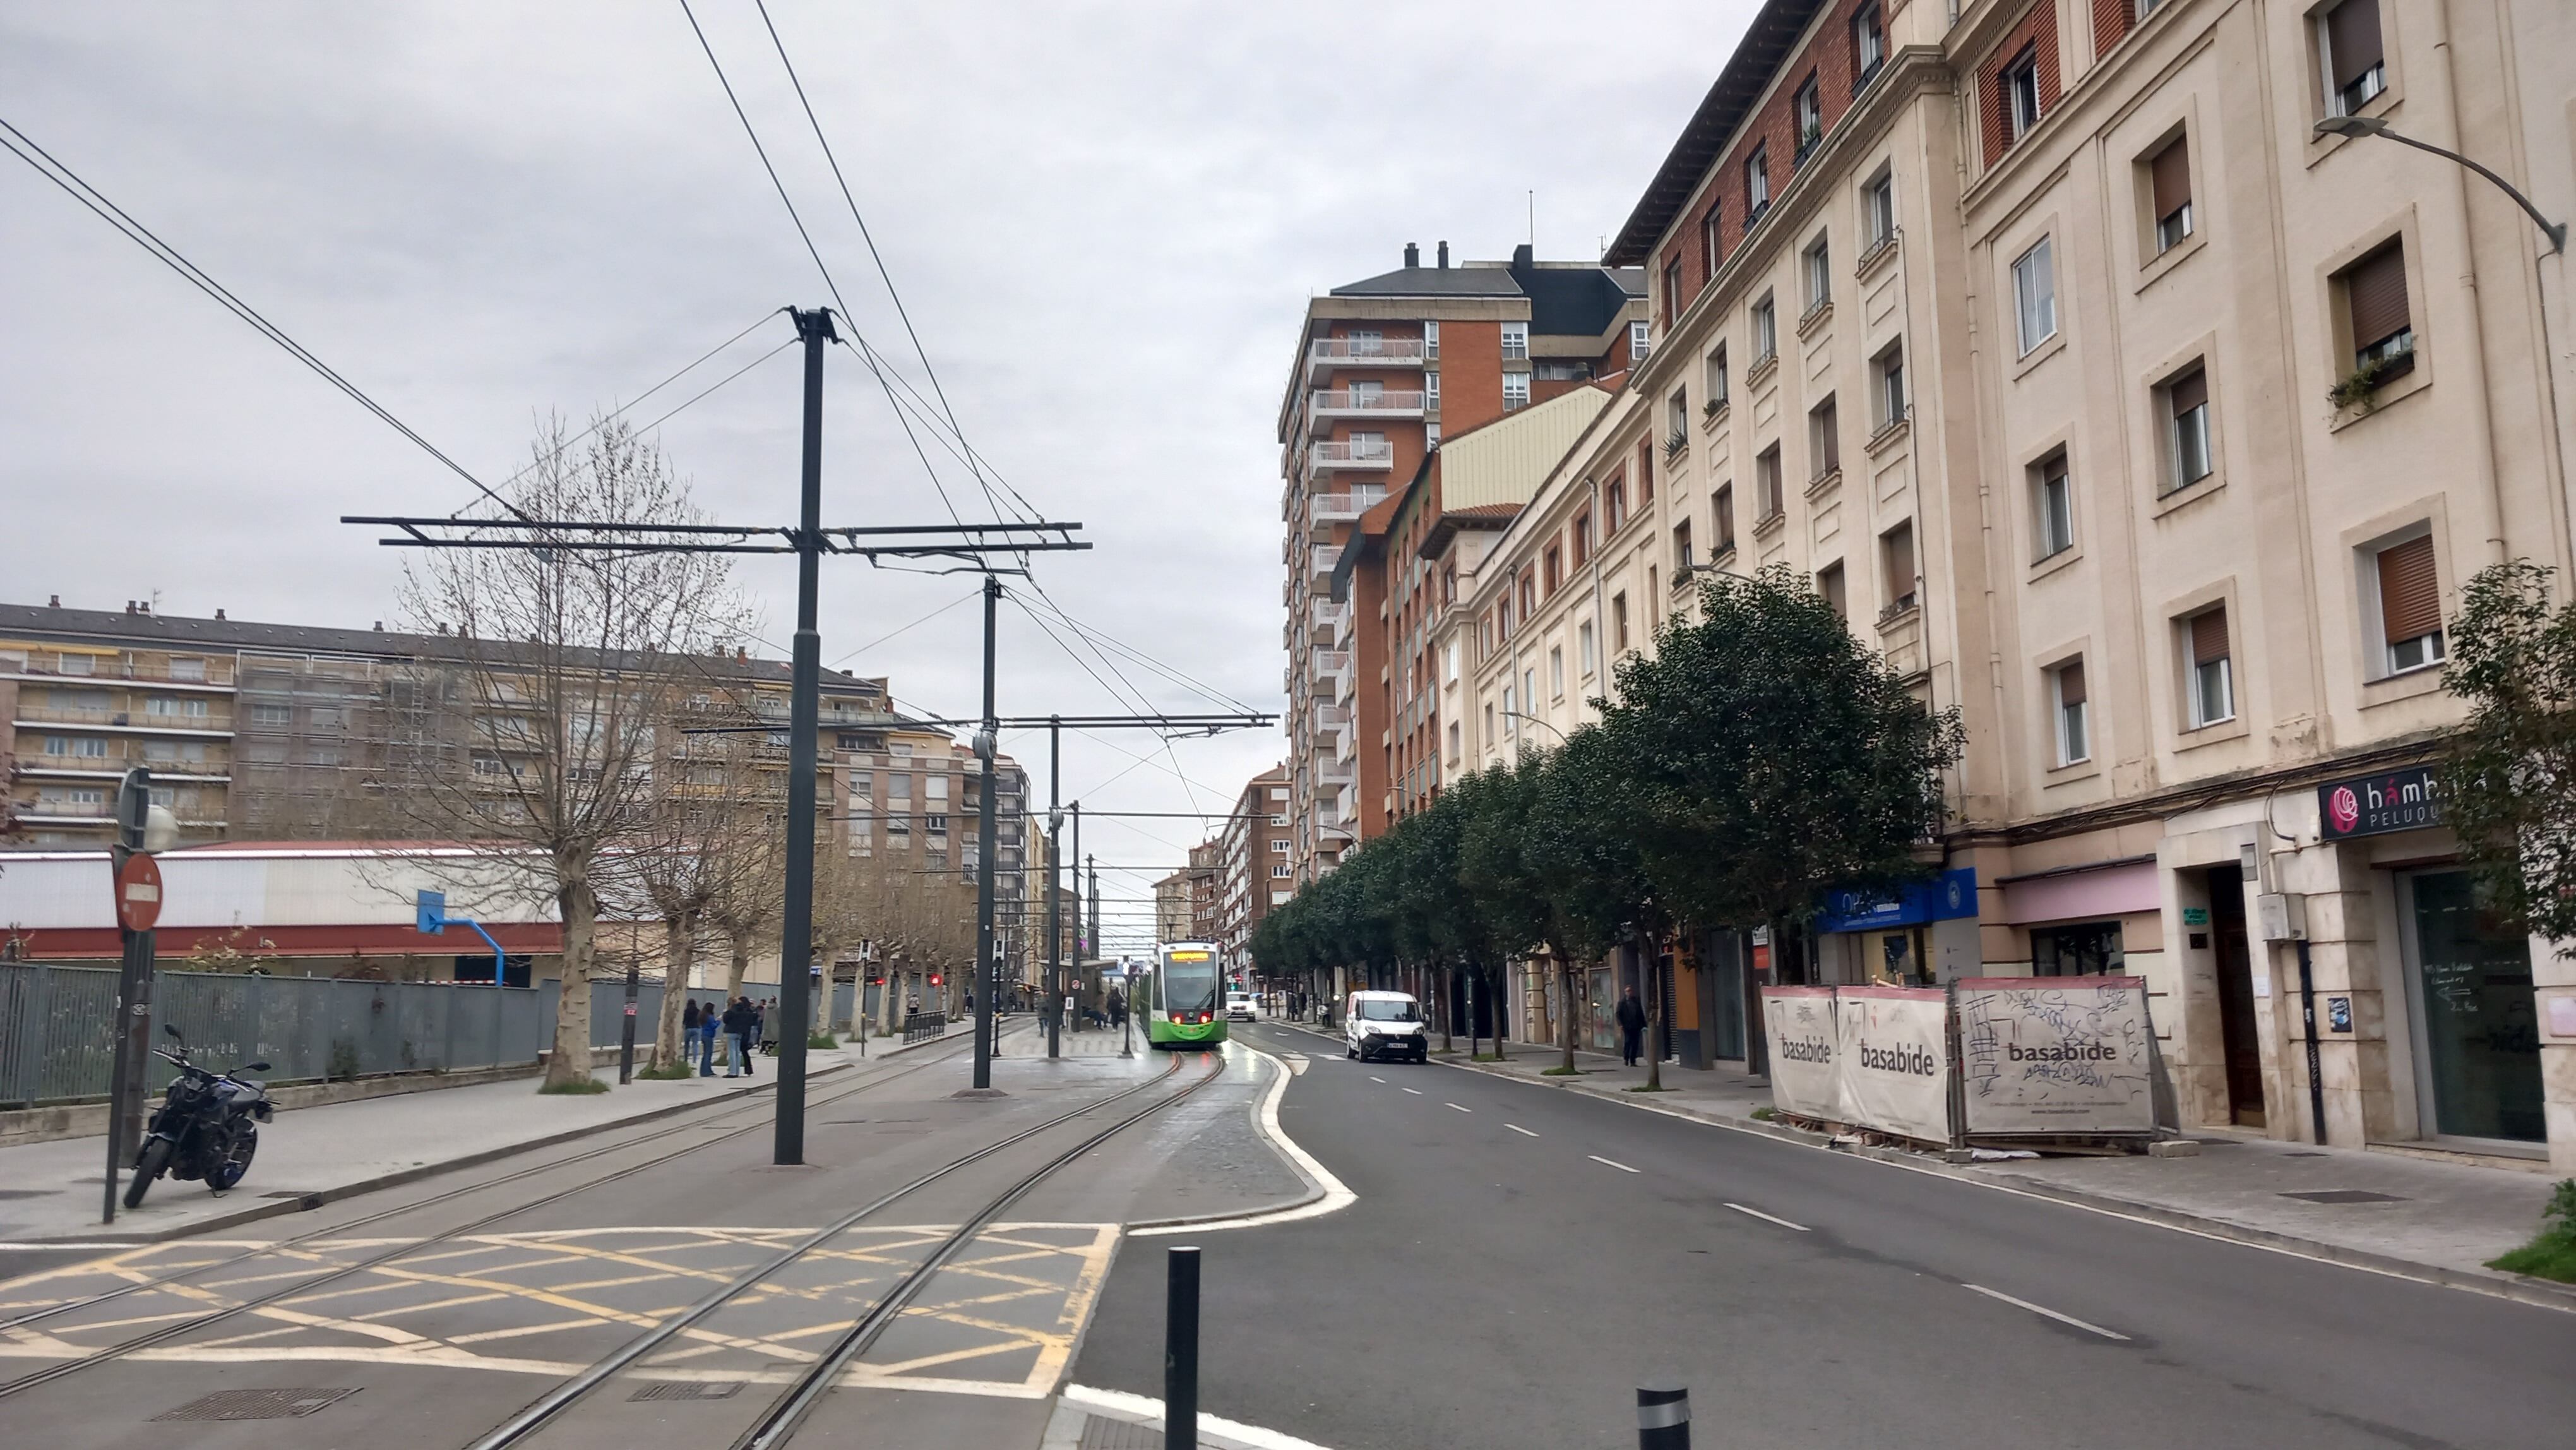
[741, 1026]
[1632, 1027]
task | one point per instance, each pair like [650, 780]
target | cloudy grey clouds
[1105, 219]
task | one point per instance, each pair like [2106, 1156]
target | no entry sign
[138, 892]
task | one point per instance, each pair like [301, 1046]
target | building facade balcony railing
[1332, 717]
[99, 810]
[1342, 505]
[218, 675]
[1325, 614]
[1328, 665]
[1350, 455]
[1321, 558]
[1350, 403]
[1327, 353]
[30, 712]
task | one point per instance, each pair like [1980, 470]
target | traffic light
[934, 979]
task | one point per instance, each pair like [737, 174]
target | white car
[1238, 1007]
[1384, 1025]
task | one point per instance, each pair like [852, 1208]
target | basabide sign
[1800, 1024]
[2056, 1054]
[1892, 1060]
[2406, 799]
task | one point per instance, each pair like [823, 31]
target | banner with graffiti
[1799, 1024]
[1892, 1060]
[2056, 1055]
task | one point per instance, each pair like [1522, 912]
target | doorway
[2478, 1028]
[2239, 1037]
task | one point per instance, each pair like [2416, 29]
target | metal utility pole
[137, 884]
[1095, 904]
[796, 934]
[986, 943]
[1055, 846]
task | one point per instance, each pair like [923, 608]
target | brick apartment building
[1385, 368]
[1254, 863]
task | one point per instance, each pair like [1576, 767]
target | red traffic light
[934, 979]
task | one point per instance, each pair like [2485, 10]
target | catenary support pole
[1054, 908]
[1181, 1348]
[1095, 907]
[985, 978]
[796, 933]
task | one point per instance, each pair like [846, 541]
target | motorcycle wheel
[230, 1169]
[156, 1157]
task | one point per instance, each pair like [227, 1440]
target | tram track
[655, 1140]
[780, 1418]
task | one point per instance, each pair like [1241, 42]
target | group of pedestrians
[742, 1023]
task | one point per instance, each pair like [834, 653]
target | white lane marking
[1142, 1410]
[1517, 1128]
[1336, 1195]
[2043, 1310]
[1454, 1105]
[1597, 1158]
[1417, 1092]
[1767, 1218]
[1373, 1077]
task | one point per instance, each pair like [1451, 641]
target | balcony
[102, 718]
[1320, 560]
[1328, 666]
[1339, 506]
[1324, 614]
[1327, 353]
[62, 810]
[1325, 457]
[1332, 717]
[1362, 403]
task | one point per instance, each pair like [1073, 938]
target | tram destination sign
[2406, 799]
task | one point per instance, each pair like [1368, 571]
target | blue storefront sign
[1948, 895]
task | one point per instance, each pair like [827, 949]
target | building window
[1453, 742]
[1712, 250]
[187, 669]
[1716, 384]
[1554, 565]
[1583, 653]
[2169, 193]
[2074, 735]
[72, 664]
[1677, 416]
[1757, 187]
[324, 755]
[2187, 451]
[1829, 586]
[271, 717]
[1824, 440]
[1281, 870]
[1896, 558]
[2055, 506]
[1766, 330]
[1878, 210]
[1681, 549]
[1449, 661]
[1721, 506]
[1869, 47]
[1516, 390]
[1614, 505]
[2410, 605]
[1619, 622]
[2376, 313]
[2035, 295]
[1645, 471]
[2213, 675]
[1582, 539]
[1529, 593]
[2021, 93]
[1811, 121]
[1431, 391]
[1529, 688]
[1556, 672]
[2088, 950]
[1887, 384]
[1672, 292]
[1431, 339]
[1817, 263]
[1766, 485]
[1515, 341]
[1279, 846]
[1489, 724]
[1641, 341]
[2352, 56]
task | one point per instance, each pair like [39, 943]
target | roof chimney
[129, 606]
[380, 626]
[53, 601]
[1412, 255]
[1524, 257]
[442, 628]
[742, 654]
[1444, 256]
[219, 611]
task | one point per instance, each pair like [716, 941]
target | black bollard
[1663, 1417]
[1181, 1351]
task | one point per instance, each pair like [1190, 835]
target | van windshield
[1384, 1011]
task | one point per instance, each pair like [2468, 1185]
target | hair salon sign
[2406, 799]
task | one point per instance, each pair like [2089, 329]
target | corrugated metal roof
[1505, 461]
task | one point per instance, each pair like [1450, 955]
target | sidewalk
[309, 1156]
[2398, 1213]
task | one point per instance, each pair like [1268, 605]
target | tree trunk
[1494, 1006]
[1565, 990]
[678, 936]
[741, 964]
[1650, 965]
[1448, 1043]
[570, 1061]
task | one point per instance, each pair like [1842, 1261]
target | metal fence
[57, 1026]
[921, 1026]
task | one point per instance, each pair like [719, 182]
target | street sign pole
[138, 906]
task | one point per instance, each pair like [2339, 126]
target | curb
[1263, 1106]
[2539, 1293]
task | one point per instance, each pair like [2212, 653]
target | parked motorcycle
[207, 1126]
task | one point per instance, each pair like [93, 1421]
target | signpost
[141, 829]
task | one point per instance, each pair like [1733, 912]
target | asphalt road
[1520, 1258]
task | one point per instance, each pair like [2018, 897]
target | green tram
[1179, 996]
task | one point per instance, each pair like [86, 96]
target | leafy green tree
[2509, 780]
[1585, 853]
[1773, 757]
[1494, 877]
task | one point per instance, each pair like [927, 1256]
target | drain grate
[2345, 1195]
[1106, 1434]
[257, 1404]
[688, 1390]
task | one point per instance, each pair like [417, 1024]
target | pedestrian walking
[1632, 1027]
[741, 1024]
[769, 1027]
[1117, 1007]
[688, 1032]
[707, 1025]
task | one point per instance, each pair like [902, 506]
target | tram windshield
[1189, 986]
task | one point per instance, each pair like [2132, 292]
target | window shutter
[2209, 636]
[2352, 35]
[2375, 293]
[1645, 470]
[2410, 592]
[2070, 684]
[2171, 174]
[2189, 391]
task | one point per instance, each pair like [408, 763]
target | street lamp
[1534, 720]
[2352, 126]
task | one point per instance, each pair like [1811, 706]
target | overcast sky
[1104, 218]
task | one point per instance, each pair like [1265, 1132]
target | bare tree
[564, 670]
[710, 826]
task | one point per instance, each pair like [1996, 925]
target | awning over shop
[2110, 888]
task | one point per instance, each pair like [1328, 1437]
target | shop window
[2089, 949]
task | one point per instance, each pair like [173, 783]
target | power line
[89, 196]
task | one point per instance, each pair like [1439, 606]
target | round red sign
[138, 893]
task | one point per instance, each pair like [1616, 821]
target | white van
[1238, 1007]
[1384, 1025]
